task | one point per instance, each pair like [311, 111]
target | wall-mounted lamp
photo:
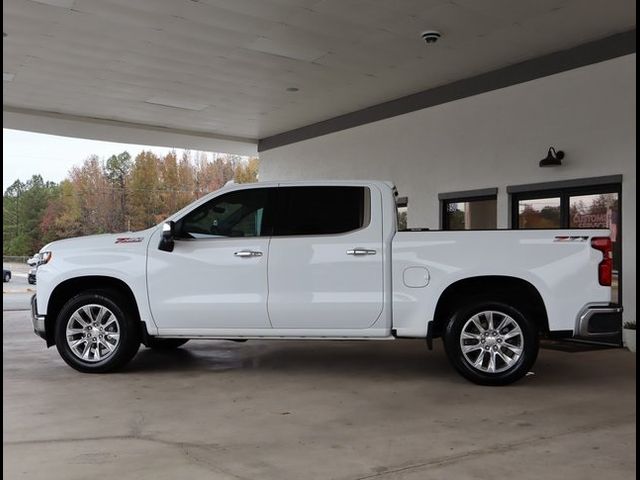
[553, 159]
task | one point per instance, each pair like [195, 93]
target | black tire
[165, 343]
[505, 373]
[129, 330]
[7, 277]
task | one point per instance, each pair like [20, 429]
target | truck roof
[274, 183]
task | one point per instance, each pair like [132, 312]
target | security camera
[430, 36]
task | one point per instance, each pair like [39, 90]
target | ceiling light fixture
[430, 36]
[553, 158]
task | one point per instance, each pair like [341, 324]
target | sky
[25, 154]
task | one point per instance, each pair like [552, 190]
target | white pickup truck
[321, 260]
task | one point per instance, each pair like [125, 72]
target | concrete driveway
[295, 410]
[16, 293]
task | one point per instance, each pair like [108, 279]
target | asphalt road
[291, 410]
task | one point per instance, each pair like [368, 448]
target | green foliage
[118, 194]
[23, 206]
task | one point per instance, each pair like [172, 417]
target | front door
[326, 258]
[216, 276]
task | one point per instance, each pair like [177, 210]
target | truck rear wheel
[491, 343]
[97, 332]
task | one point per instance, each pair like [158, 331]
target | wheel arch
[73, 286]
[514, 291]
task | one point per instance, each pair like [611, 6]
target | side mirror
[166, 239]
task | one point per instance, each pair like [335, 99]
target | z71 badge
[570, 238]
[129, 239]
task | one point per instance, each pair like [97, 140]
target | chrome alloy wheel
[491, 341]
[93, 333]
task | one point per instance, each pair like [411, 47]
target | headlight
[45, 257]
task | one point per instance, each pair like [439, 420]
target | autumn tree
[169, 184]
[118, 194]
[187, 181]
[247, 172]
[94, 195]
[117, 171]
[63, 218]
[144, 188]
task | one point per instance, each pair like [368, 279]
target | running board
[268, 337]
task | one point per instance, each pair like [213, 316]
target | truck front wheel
[491, 343]
[97, 331]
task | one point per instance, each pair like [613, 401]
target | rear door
[325, 258]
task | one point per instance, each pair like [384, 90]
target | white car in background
[34, 261]
[322, 261]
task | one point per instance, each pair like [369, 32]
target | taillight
[605, 267]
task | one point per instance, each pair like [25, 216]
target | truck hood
[104, 242]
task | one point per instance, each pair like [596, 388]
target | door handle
[248, 253]
[360, 251]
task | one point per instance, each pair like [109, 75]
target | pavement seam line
[444, 460]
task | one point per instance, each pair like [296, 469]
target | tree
[62, 217]
[118, 194]
[186, 180]
[144, 189]
[247, 172]
[169, 184]
[117, 170]
[23, 207]
[94, 195]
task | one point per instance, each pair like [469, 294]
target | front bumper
[37, 320]
[598, 320]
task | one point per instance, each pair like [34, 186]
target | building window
[473, 210]
[539, 213]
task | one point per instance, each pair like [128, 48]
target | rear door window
[326, 210]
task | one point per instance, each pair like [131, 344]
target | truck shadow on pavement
[403, 360]
[289, 357]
